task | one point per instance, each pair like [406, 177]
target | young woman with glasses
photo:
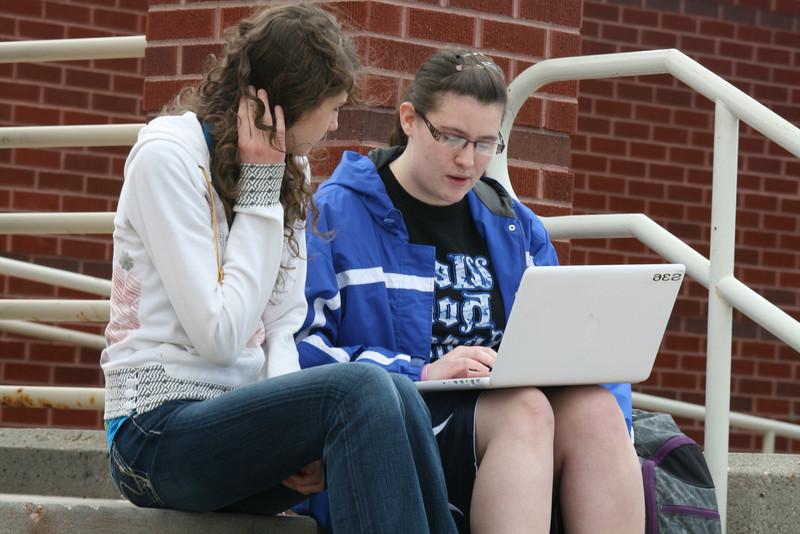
[206, 407]
[416, 273]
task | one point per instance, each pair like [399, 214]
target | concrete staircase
[54, 481]
[57, 481]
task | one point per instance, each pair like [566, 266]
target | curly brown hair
[300, 56]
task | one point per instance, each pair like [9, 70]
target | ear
[407, 115]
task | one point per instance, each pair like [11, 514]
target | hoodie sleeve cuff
[259, 185]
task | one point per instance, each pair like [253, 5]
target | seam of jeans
[342, 416]
[143, 430]
[140, 477]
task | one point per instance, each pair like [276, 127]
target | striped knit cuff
[260, 185]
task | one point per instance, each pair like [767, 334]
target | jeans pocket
[135, 485]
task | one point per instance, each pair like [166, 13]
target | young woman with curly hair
[206, 407]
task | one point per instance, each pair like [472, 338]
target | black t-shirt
[468, 308]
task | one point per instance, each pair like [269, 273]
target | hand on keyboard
[463, 362]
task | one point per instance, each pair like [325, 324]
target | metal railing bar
[54, 333]
[668, 61]
[93, 398]
[737, 102]
[760, 310]
[57, 223]
[132, 46]
[63, 398]
[768, 443]
[55, 310]
[719, 329]
[697, 412]
[636, 225]
[649, 233]
[56, 277]
[84, 135]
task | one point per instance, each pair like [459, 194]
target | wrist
[423, 375]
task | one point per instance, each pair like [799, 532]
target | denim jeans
[230, 453]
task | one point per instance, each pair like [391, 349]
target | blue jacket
[370, 292]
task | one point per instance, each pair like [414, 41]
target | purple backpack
[679, 492]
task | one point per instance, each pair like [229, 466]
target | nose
[466, 156]
[334, 124]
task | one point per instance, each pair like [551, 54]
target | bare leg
[599, 478]
[513, 487]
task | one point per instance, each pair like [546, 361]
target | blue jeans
[230, 453]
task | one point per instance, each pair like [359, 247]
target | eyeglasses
[456, 142]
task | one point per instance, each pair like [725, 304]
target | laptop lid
[586, 324]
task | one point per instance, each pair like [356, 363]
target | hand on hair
[310, 479]
[463, 362]
[254, 144]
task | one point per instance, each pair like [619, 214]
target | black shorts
[453, 418]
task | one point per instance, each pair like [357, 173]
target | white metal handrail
[56, 277]
[93, 398]
[67, 136]
[768, 427]
[67, 50]
[53, 333]
[55, 310]
[132, 46]
[57, 223]
[669, 247]
[732, 105]
[65, 398]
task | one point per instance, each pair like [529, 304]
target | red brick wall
[74, 179]
[645, 145]
[393, 38]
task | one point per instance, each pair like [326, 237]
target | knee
[591, 410]
[406, 389]
[412, 402]
[525, 412]
[361, 383]
[371, 381]
[530, 406]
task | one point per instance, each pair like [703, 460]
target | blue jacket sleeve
[318, 341]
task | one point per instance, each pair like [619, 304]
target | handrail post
[720, 315]
[768, 446]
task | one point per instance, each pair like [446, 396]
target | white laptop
[582, 324]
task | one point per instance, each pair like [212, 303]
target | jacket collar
[360, 174]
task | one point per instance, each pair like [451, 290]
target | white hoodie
[175, 330]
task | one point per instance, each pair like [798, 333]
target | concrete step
[48, 461]
[46, 514]
[763, 493]
[763, 489]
